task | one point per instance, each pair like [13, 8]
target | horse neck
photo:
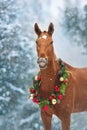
[48, 75]
[51, 67]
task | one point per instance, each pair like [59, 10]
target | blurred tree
[84, 29]
[75, 24]
[16, 58]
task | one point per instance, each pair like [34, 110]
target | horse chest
[47, 86]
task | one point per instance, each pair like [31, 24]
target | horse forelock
[44, 35]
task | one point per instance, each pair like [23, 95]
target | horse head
[44, 45]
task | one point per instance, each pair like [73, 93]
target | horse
[75, 98]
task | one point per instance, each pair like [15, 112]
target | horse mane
[68, 66]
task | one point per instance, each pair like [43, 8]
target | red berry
[60, 96]
[57, 89]
[54, 96]
[32, 90]
[39, 77]
[45, 108]
[35, 95]
[50, 98]
[65, 81]
[55, 86]
[35, 100]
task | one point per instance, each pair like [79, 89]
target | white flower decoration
[54, 101]
[36, 78]
[31, 96]
[61, 78]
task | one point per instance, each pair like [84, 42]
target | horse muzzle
[42, 62]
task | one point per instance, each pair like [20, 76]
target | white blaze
[44, 36]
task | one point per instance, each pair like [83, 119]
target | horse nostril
[46, 58]
[42, 62]
[41, 59]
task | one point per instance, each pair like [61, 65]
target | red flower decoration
[54, 96]
[35, 100]
[35, 95]
[50, 98]
[39, 77]
[65, 81]
[57, 89]
[45, 108]
[60, 96]
[32, 90]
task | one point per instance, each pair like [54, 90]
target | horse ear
[37, 29]
[51, 28]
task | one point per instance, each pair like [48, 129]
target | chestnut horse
[75, 99]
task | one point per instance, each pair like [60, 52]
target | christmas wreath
[59, 89]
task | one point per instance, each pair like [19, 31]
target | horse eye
[51, 42]
[36, 42]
